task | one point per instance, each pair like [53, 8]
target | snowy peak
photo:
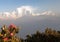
[24, 11]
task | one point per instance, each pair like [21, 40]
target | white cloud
[35, 14]
[7, 15]
[13, 14]
[49, 13]
[22, 11]
[19, 12]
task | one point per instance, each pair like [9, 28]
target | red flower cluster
[12, 26]
[5, 39]
[9, 31]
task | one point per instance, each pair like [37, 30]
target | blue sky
[9, 5]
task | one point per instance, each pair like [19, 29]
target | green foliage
[48, 36]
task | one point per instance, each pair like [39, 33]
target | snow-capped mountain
[24, 11]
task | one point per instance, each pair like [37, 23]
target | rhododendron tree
[8, 34]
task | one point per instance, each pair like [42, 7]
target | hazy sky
[9, 5]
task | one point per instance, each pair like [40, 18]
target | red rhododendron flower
[5, 39]
[12, 26]
[11, 34]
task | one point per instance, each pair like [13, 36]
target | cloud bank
[22, 11]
